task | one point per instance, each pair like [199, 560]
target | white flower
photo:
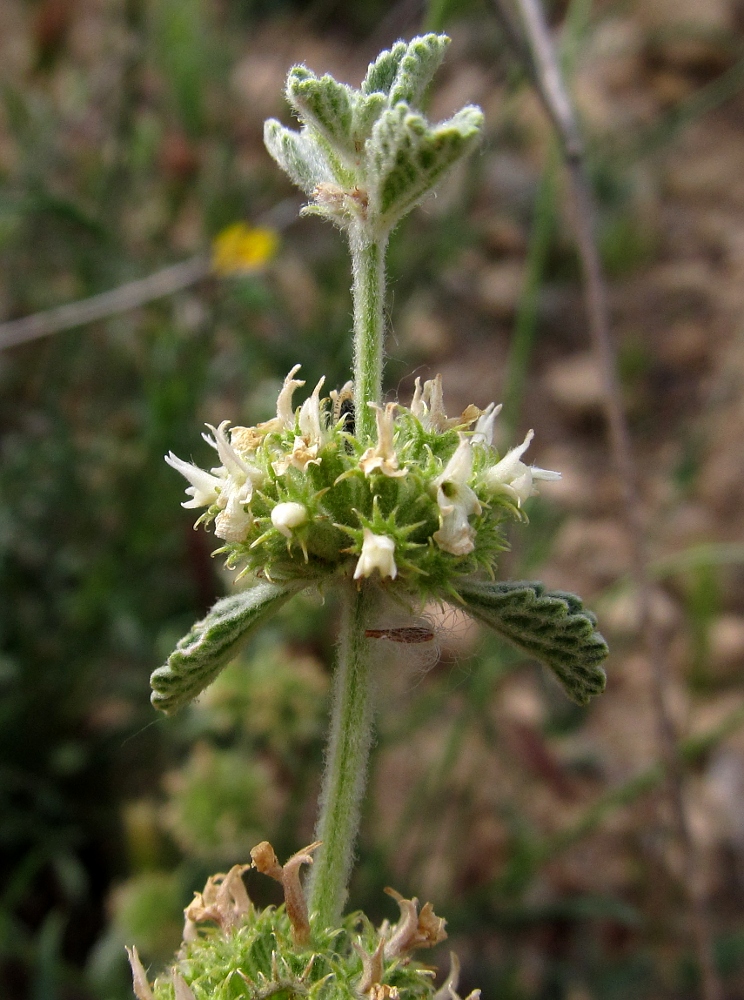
[284, 419]
[483, 432]
[233, 522]
[288, 515]
[457, 501]
[204, 489]
[240, 478]
[382, 456]
[513, 477]
[378, 553]
[428, 405]
[238, 470]
[313, 435]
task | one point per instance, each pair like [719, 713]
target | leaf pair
[552, 626]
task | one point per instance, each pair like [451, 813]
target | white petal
[284, 411]
[483, 433]
[233, 523]
[459, 468]
[204, 487]
[545, 474]
[523, 486]
[140, 984]
[182, 989]
[455, 538]
[510, 465]
[309, 419]
[418, 406]
[229, 457]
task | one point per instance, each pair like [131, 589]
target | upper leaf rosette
[366, 157]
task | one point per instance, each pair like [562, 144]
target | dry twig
[131, 295]
[534, 47]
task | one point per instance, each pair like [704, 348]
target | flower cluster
[300, 497]
[256, 954]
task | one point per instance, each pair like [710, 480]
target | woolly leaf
[324, 104]
[213, 642]
[297, 155]
[409, 157]
[382, 72]
[367, 109]
[421, 61]
[552, 626]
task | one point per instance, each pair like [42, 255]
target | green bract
[367, 156]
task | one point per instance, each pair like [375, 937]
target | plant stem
[346, 762]
[368, 290]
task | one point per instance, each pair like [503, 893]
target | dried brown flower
[414, 929]
[288, 875]
[224, 900]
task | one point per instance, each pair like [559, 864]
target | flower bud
[289, 515]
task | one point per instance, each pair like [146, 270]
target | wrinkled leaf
[324, 104]
[298, 156]
[552, 626]
[403, 72]
[409, 156]
[213, 642]
[421, 61]
[382, 72]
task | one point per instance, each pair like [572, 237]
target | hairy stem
[346, 763]
[368, 290]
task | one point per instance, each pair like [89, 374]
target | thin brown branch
[118, 300]
[543, 67]
[131, 295]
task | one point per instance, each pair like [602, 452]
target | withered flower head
[224, 900]
[288, 875]
[414, 929]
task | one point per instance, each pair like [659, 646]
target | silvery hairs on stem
[419, 506]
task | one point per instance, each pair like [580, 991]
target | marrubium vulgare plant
[373, 499]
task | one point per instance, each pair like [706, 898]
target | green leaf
[382, 72]
[298, 155]
[324, 104]
[409, 157]
[367, 109]
[213, 642]
[421, 61]
[551, 625]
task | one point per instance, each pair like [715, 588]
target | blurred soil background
[130, 137]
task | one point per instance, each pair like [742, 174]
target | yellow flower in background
[240, 249]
